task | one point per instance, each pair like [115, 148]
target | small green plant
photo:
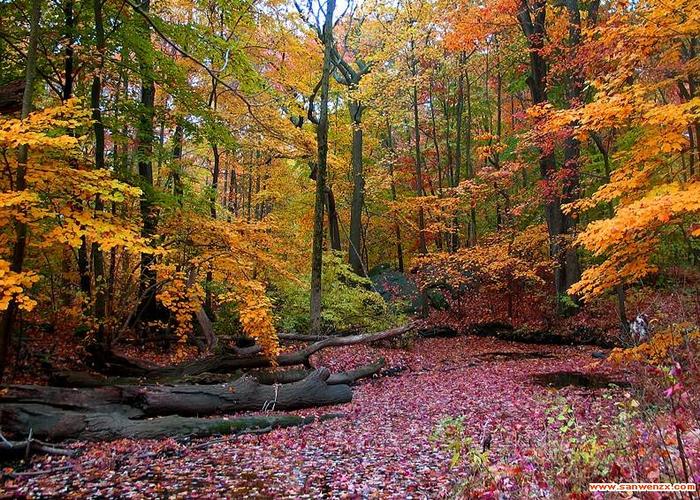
[567, 305]
[451, 435]
[348, 301]
[570, 455]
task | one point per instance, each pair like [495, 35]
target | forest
[349, 249]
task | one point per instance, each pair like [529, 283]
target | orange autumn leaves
[643, 99]
[57, 184]
[61, 188]
[663, 346]
[255, 310]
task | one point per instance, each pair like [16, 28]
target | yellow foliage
[496, 264]
[648, 188]
[657, 350]
[232, 251]
[15, 286]
[255, 310]
[34, 130]
[56, 204]
[180, 296]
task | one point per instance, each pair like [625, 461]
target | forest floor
[382, 447]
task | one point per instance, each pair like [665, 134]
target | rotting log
[85, 379]
[252, 358]
[154, 411]
[243, 394]
[49, 422]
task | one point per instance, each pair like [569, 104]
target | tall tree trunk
[503, 191]
[249, 196]
[436, 145]
[216, 154]
[208, 305]
[99, 130]
[321, 167]
[233, 187]
[224, 192]
[397, 227]
[471, 236]
[458, 148]
[69, 51]
[532, 23]
[422, 247]
[68, 83]
[21, 182]
[333, 225]
[572, 152]
[358, 190]
[178, 188]
[148, 281]
[448, 145]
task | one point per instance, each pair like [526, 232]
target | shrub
[349, 301]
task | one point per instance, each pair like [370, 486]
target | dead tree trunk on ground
[249, 358]
[126, 411]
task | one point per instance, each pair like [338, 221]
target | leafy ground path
[382, 448]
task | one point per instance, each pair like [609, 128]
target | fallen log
[115, 412]
[302, 356]
[51, 423]
[352, 376]
[251, 358]
[112, 412]
[300, 337]
[243, 394]
[85, 379]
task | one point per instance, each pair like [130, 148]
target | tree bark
[472, 231]
[99, 130]
[358, 190]
[572, 151]
[148, 309]
[18, 253]
[333, 225]
[178, 138]
[532, 23]
[98, 413]
[454, 244]
[67, 91]
[422, 247]
[321, 167]
[397, 227]
[52, 423]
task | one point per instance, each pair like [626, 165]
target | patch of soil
[513, 356]
[559, 380]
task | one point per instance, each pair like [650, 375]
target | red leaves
[382, 449]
